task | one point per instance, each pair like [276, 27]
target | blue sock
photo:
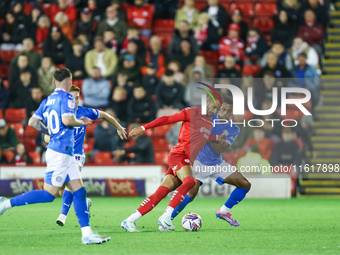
[80, 207]
[181, 206]
[235, 197]
[67, 201]
[32, 197]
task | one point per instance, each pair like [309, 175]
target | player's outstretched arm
[38, 125]
[70, 120]
[107, 117]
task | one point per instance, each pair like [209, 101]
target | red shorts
[176, 161]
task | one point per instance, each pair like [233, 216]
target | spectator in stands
[287, 151]
[119, 103]
[75, 61]
[96, 90]
[283, 57]
[20, 91]
[292, 8]
[306, 77]
[3, 159]
[253, 158]
[86, 43]
[45, 75]
[18, 8]
[22, 64]
[312, 32]
[33, 20]
[141, 108]
[34, 58]
[169, 93]
[37, 96]
[175, 66]
[97, 11]
[300, 46]
[247, 82]
[4, 94]
[113, 22]
[86, 24]
[141, 16]
[129, 64]
[284, 31]
[237, 18]
[272, 129]
[199, 61]
[319, 10]
[183, 32]
[57, 46]
[189, 13]
[232, 44]
[165, 9]
[218, 14]
[110, 41]
[21, 156]
[229, 70]
[265, 89]
[127, 47]
[201, 29]
[150, 80]
[273, 65]
[142, 148]
[42, 30]
[156, 56]
[246, 133]
[8, 138]
[65, 7]
[172, 135]
[186, 56]
[122, 80]
[63, 23]
[264, 144]
[105, 135]
[256, 45]
[101, 57]
[13, 33]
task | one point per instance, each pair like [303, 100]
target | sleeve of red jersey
[183, 115]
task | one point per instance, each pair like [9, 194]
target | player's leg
[168, 184]
[188, 182]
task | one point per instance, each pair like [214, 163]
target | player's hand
[122, 133]
[136, 132]
[87, 121]
[221, 138]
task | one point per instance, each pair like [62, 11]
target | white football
[191, 222]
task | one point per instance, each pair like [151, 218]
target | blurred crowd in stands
[135, 59]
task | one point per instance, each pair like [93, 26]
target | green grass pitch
[267, 226]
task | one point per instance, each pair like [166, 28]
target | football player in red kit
[194, 134]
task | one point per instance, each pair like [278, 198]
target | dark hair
[227, 99]
[62, 74]
[254, 148]
[22, 54]
[37, 87]
[269, 73]
[169, 72]
[138, 86]
[77, 42]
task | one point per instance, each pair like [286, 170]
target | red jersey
[231, 46]
[194, 132]
[140, 17]
[70, 11]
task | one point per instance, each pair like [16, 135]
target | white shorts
[80, 160]
[215, 172]
[61, 168]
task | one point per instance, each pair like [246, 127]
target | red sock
[150, 202]
[182, 190]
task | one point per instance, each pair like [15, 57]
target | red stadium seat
[164, 25]
[87, 147]
[265, 9]
[15, 115]
[231, 157]
[103, 158]
[248, 114]
[210, 56]
[19, 130]
[7, 55]
[90, 129]
[4, 71]
[145, 40]
[9, 155]
[247, 9]
[60, 65]
[78, 83]
[35, 156]
[292, 114]
[161, 157]
[308, 105]
[162, 130]
[200, 6]
[124, 6]
[129, 143]
[160, 144]
[264, 24]
[1, 114]
[252, 70]
[30, 132]
[30, 144]
[166, 39]
[267, 1]
[27, 9]
[2, 21]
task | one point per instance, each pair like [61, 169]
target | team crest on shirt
[58, 179]
[186, 160]
[226, 132]
[71, 104]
